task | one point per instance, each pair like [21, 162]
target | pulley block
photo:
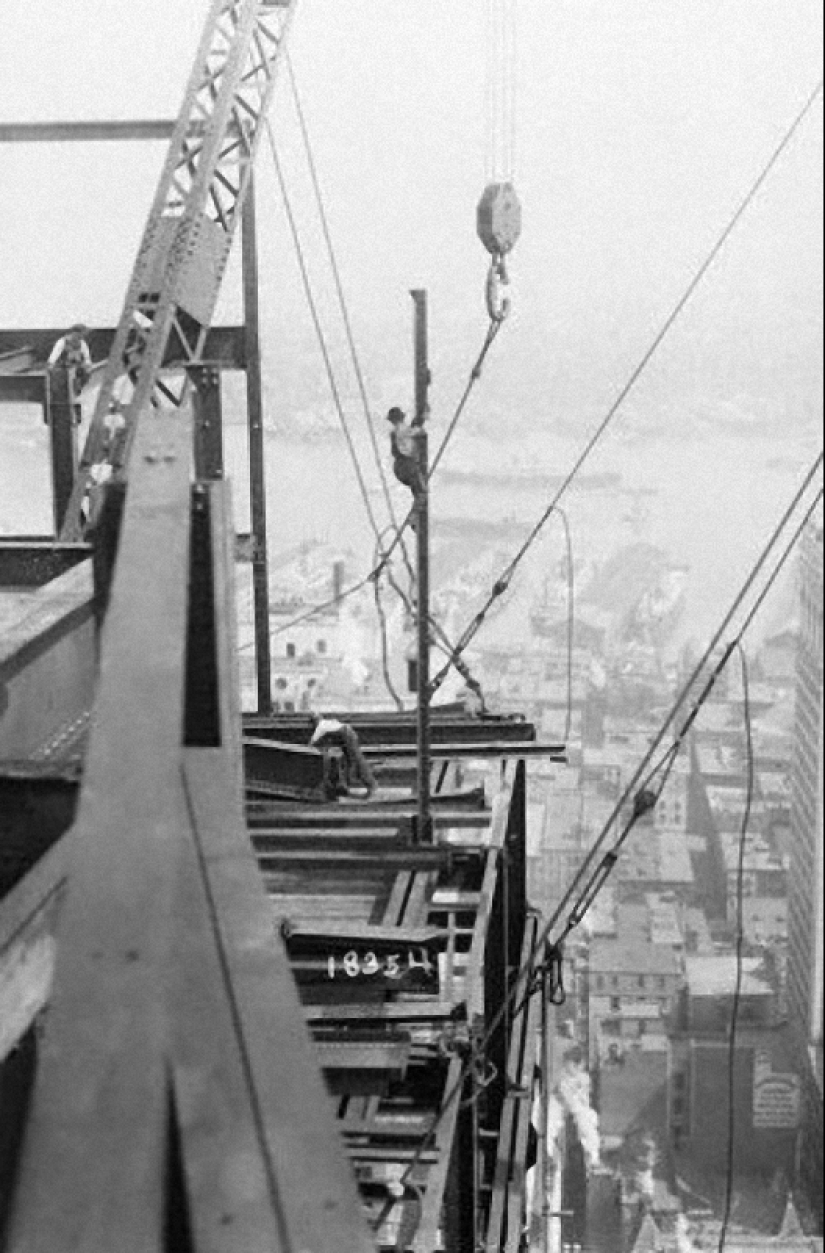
[499, 218]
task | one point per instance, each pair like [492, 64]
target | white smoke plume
[574, 1090]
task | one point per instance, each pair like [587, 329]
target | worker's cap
[141, 320]
[396, 415]
[77, 328]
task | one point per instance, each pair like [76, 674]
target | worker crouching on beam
[331, 733]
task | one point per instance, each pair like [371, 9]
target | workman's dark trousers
[408, 472]
[359, 772]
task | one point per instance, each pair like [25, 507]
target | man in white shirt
[330, 733]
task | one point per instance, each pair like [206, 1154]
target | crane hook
[498, 299]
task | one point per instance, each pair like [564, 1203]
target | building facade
[805, 906]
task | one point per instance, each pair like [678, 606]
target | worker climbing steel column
[406, 454]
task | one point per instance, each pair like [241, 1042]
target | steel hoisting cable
[475, 374]
[342, 300]
[307, 284]
[503, 583]
[501, 88]
[645, 789]
[750, 788]
[441, 639]
[571, 618]
[319, 330]
[385, 661]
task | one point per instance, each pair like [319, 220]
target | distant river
[715, 500]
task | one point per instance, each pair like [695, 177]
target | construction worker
[331, 733]
[72, 353]
[406, 462]
[133, 349]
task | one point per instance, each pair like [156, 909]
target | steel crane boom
[177, 275]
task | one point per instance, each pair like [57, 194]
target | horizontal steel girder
[225, 349]
[84, 132]
[48, 660]
[32, 563]
[37, 806]
[392, 729]
[285, 767]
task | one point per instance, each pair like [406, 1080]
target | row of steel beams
[224, 348]
[454, 727]
[171, 994]
[48, 666]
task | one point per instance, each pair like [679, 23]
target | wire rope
[319, 330]
[503, 583]
[342, 299]
[730, 1150]
[571, 619]
[645, 798]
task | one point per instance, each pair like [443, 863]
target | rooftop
[716, 976]
[621, 957]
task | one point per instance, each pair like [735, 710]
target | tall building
[806, 883]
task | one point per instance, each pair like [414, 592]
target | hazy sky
[640, 123]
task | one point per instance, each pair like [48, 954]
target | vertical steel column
[257, 469]
[60, 413]
[422, 512]
[208, 421]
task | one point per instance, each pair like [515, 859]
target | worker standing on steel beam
[71, 352]
[331, 733]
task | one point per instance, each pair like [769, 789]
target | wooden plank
[93, 1157]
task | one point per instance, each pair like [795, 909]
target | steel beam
[63, 414]
[285, 767]
[84, 132]
[225, 348]
[507, 748]
[24, 389]
[396, 728]
[257, 451]
[208, 420]
[15, 360]
[33, 563]
[91, 1170]
[239, 1009]
[48, 667]
[37, 806]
